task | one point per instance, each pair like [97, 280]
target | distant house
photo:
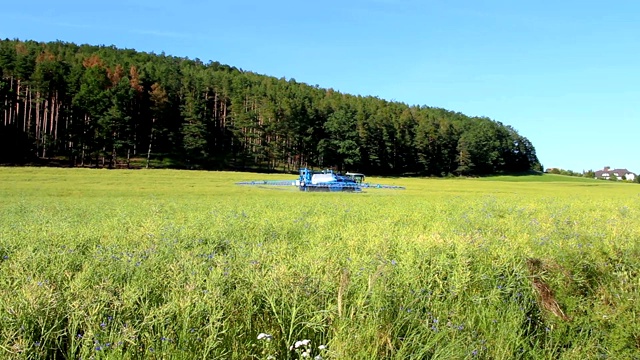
[620, 174]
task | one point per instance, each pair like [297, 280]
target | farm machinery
[325, 180]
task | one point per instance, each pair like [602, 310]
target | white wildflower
[264, 336]
[322, 347]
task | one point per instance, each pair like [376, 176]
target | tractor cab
[357, 177]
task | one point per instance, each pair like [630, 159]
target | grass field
[170, 264]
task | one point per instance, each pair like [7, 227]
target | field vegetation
[168, 264]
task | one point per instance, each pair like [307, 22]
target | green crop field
[165, 264]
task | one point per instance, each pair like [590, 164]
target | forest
[101, 106]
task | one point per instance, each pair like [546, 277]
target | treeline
[587, 174]
[103, 106]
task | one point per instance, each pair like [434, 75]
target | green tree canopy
[101, 106]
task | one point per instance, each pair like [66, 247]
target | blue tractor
[325, 180]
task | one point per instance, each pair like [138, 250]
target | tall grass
[175, 264]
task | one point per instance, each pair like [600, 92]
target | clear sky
[565, 73]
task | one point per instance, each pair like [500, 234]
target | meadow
[168, 264]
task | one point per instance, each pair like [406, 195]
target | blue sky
[565, 74]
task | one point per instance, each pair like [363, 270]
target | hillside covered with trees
[103, 106]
